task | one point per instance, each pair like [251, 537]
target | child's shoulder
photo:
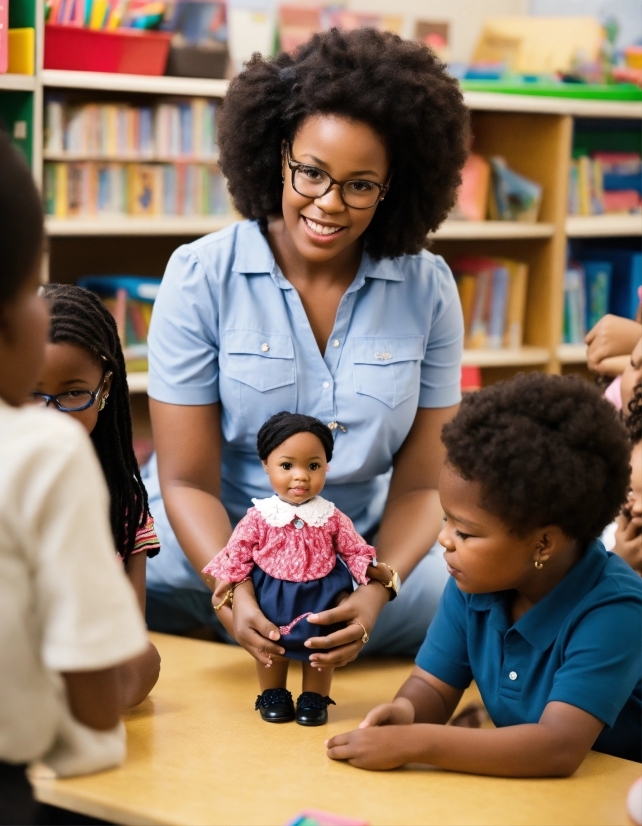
[30, 431]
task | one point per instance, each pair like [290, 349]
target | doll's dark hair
[80, 318]
[282, 425]
[633, 421]
[398, 87]
[546, 450]
[21, 221]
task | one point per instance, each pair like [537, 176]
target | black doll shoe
[276, 705]
[312, 709]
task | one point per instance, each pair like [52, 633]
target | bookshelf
[533, 133]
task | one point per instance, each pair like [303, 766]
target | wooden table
[199, 754]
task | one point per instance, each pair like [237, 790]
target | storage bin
[124, 51]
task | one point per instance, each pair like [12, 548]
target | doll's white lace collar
[278, 514]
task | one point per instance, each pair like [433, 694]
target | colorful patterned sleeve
[352, 548]
[146, 539]
[235, 562]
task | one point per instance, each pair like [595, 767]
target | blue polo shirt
[228, 327]
[581, 645]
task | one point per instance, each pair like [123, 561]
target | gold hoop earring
[539, 564]
[103, 402]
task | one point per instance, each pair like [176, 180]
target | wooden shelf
[497, 102]
[504, 357]
[161, 85]
[463, 230]
[137, 382]
[18, 83]
[571, 353]
[131, 225]
[603, 226]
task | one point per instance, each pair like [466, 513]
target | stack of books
[493, 298]
[130, 299]
[174, 129]
[605, 182]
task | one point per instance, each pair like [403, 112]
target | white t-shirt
[65, 602]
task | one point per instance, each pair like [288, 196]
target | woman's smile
[322, 232]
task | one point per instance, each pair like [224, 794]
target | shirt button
[512, 675]
[326, 384]
[265, 348]
[336, 342]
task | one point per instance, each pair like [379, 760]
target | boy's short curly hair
[546, 450]
[398, 87]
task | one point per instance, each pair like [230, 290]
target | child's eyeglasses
[73, 401]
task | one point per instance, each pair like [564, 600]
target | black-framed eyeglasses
[73, 401]
[312, 182]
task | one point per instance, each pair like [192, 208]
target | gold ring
[365, 637]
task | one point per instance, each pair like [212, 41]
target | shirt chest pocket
[388, 368]
[262, 361]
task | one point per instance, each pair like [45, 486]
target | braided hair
[282, 425]
[80, 318]
[633, 421]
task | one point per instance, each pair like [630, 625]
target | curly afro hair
[546, 450]
[399, 88]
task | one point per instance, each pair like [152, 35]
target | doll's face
[297, 468]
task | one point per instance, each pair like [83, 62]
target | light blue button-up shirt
[228, 327]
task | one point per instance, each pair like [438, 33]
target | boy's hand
[370, 748]
[399, 713]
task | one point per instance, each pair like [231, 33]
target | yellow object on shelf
[538, 45]
[22, 50]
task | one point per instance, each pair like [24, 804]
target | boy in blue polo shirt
[545, 621]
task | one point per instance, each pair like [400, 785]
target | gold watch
[392, 581]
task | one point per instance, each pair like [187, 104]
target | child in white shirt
[68, 616]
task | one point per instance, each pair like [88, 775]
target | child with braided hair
[85, 377]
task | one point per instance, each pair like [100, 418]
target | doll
[301, 554]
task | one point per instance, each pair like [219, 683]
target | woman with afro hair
[324, 301]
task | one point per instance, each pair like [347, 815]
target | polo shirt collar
[541, 624]
[253, 256]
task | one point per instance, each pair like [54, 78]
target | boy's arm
[553, 747]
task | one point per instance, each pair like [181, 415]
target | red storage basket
[124, 51]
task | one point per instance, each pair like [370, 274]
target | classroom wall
[465, 17]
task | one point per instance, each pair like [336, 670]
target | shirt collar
[253, 256]
[541, 624]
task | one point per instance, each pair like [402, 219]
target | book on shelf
[130, 300]
[493, 298]
[96, 189]
[574, 304]
[625, 274]
[605, 182]
[173, 129]
[472, 199]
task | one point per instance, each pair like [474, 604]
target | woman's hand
[370, 748]
[250, 627]
[611, 336]
[401, 712]
[361, 608]
[628, 541]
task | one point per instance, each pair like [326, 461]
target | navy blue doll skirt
[286, 604]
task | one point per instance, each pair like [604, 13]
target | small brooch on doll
[301, 553]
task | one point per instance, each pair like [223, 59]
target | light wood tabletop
[199, 754]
